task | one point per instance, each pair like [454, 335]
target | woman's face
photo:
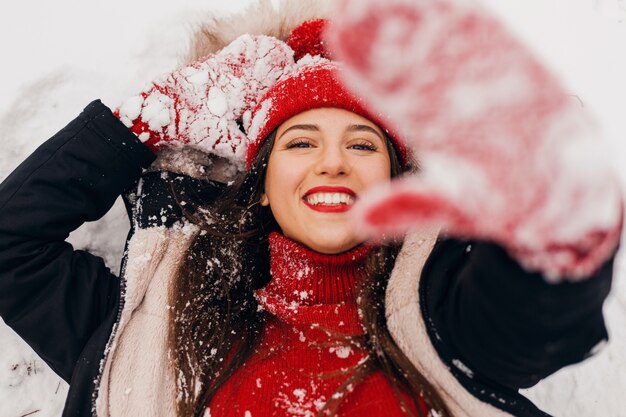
[321, 163]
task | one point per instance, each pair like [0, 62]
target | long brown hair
[216, 324]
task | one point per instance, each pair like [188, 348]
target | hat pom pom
[306, 38]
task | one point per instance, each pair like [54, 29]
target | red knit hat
[314, 84]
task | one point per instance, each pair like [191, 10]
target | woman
[195, 292]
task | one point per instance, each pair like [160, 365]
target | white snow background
[58, 56]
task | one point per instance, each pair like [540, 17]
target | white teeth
[329, 198]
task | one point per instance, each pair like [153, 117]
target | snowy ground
[58, 56]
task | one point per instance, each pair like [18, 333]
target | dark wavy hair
[216, 324]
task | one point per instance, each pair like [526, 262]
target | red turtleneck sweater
[302, 358]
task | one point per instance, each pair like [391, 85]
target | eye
[301, 143]
[364, 145]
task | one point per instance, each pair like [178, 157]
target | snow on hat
[315, 83]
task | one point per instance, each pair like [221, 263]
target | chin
[332, 246]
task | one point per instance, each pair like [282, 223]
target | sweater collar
[301, 276]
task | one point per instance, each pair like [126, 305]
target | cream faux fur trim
[406, 325]
[261, 18]
[138, 378]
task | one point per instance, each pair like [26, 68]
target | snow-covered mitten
[203, 104]
[507, 155]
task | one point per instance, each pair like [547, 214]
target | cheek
[281, 190]
[383, 174]
[375, 173]
[282, 179]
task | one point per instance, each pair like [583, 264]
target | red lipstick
[330, 189]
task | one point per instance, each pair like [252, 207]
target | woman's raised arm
[53, 296]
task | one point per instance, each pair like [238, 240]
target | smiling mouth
[329, 202]
[329, 199]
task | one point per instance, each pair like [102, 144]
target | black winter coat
[511, 326]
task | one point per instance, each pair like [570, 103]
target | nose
[332, 161]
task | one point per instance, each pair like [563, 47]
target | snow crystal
[200, 78]
[337, 395]
[247, 414]
[342, 352]
[130, 110]
[499, 399]
[144, 136]
[302, 402]
[259, 119]
[186, 228]
[463, 368]
[304, 272]
[319, 403]
[156, 111]
[258, 382]
[300, 394]
[217, 102]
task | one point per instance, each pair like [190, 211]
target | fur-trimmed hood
[260, 18]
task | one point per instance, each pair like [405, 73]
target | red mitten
[507, 155]
[201, 104]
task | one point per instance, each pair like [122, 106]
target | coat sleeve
[507, 325]
[53, 296]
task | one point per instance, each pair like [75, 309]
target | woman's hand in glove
[203, 104]
[508, 156]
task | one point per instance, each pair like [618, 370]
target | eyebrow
[364, 128]
[313, 128]
[351, 128]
